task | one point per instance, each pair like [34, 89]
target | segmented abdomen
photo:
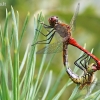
[86, 79]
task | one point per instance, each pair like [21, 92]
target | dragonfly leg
[76, 63]
[42, 41]
[46, 26]
[85, 61]
[47, 33]
[89, 60]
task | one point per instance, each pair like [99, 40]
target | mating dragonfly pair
[65, 31]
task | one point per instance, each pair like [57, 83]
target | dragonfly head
[92, 68]
[53, 20]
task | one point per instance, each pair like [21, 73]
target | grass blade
[53, 90]
[23, 29]
[48, 86]
[16, 58]
[74, 93]
[57, 96]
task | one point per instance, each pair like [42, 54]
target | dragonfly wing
[73, 20]
[51, 48]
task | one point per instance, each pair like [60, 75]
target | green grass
[13, 85]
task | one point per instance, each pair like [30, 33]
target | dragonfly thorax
[63, 30]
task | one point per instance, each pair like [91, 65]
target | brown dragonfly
[65, 31]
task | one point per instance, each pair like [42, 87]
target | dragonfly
[87, 78]
[65, 32]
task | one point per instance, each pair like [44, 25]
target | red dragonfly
[65, 31]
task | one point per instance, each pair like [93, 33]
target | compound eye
[53, 20]
[56, 19]
[68, 27]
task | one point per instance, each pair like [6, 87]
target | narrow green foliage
[1, 37]
[16, 56]
[3, 61]
[74, 93]
[19, 80]
[52, 92]
[23, 29]
[57, 96]
[48, 86]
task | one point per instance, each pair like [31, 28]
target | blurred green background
[87, 29]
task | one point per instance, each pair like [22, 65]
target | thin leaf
[53, 90]
[48, 86]
[74, 93]
[16, 57]
[57, 96]
[24, 60]
[23, 29]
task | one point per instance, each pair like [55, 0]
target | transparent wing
[73, 20]
[52, 48]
